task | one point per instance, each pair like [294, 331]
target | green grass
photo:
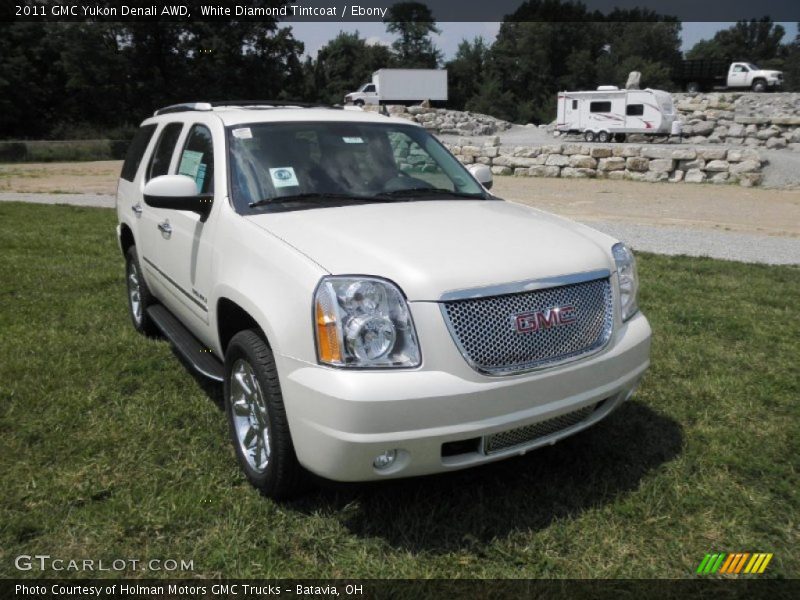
[109, 448]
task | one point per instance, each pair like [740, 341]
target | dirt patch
[704, 206]
[61, 178]
[716, 207]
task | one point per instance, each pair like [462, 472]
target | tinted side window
[635, 110]
[369, 88]
[135, 152]
[197, 159]
[600, 107]
[162, 155]
[574, 105]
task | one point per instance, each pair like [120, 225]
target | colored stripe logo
[734, 564]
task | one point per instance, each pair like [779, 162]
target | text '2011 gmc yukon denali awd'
[373, 311]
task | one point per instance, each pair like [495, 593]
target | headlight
[363, 322]
[628, 280]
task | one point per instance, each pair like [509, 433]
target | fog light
[385, 459]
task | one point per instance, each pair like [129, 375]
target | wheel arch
[126, 239]
[232, 318]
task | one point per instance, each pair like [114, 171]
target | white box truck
[609, 113]
[401, 86]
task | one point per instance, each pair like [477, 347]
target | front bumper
[342, 419]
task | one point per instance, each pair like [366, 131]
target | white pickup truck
[705, 75]
[372, 310]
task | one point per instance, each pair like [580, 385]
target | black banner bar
[375, 10]
[368, 589]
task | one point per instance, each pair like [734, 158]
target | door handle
[165, 228]
[137, 209]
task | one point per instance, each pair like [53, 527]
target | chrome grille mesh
[530, 433]
[484, 328]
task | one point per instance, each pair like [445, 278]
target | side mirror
[482, 173]
[176, 192]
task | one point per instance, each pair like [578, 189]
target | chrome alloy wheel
[249, 408]
[134, 292]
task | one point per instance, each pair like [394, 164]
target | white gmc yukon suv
[372, 310]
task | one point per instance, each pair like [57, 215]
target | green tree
[466, 72]
[792, 63]
[757, 41]
[343, 64]
[413, 22]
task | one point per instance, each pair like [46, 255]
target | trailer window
[600, 107]
[574, 105]
[634, 110]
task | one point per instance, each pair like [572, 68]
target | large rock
[637, 164]
[544, 171]
[661, 165]
[750, 179]
[694, 176]
[746, 166]
[712, 153]
[498, 170]
[600, 152]
[577, 173]
[557, 160]
[615, 163]
[582, 161]
[717, 166]
[776, 142]
[738, 155]
[736, 130]
[684, 154]
[656, 152]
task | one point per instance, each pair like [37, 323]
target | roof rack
[205, 106]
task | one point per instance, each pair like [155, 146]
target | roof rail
[190, 106]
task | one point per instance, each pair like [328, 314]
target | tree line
[80, 80]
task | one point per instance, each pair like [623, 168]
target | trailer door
[572, 113]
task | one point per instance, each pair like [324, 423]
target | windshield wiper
[424, 191]
[313, 196]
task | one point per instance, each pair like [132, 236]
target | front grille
[486, 333]
[530, 433]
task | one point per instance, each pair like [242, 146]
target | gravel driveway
[744, 247]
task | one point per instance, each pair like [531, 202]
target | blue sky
[316, 35]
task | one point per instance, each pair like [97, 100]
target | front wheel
[359, 102]
[257, 419]
[139, 296]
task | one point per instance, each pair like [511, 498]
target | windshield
[278, 164]
[752, 67]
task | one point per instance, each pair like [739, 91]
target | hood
[769, 73]
[432, 247]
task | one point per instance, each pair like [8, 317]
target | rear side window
[197, 159]
[135, 152]
[634, 110]
[600, 107]
[162, 155]
[574, 105]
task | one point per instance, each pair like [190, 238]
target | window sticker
[201, 177]
[283, 177]
[190, 163]
[243, 133]
[352, 140]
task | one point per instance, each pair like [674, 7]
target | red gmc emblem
[544, 319]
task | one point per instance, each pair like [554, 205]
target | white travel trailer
[609, 113]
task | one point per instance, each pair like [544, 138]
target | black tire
[692, 87]
[359, 102]
[588, 136]
[619, 137]
[282, 476]
[603, 137]
[760, 86]
[134, 279]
